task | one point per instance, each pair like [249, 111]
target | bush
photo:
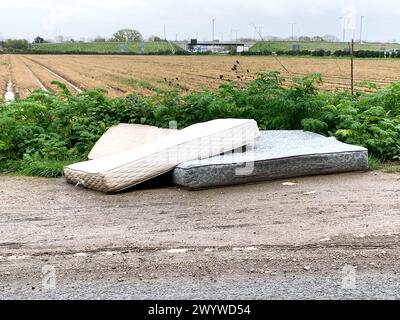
[257, 53]
[41, 134]
[12, 45]
[314, 53]
[318, 53]
[361, 54]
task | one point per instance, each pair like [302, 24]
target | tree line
[123, 35]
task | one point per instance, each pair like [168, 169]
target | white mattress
[118, 172]
[125, 137]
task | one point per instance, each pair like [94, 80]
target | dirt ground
[126, 72]
[121, 75]
[266, 231]
[4, 75]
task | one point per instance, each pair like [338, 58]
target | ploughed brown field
[4, 75]
[121, 75]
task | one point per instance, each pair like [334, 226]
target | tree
[317, 39]
[15, 44]
[247, 40]
[100, 39]
[155, 39]
[330, 38]
[39, 40]
[273, 38]
[127, 35]
[59, 39]
[304, 38]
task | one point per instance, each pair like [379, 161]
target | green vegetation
[104, 47]
[11, 45]
[320, 45]
[41, 134]
[326, 53]
[127, 35]
[391, 167]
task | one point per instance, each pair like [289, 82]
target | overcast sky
[190, 18]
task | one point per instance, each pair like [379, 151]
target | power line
[275, 57]
[236, 32]
[344, 27]
[351, 46]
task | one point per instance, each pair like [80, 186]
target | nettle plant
[46, 131]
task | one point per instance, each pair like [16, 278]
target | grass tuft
[393, 167]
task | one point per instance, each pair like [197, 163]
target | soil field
[120, 75]
[4, 75]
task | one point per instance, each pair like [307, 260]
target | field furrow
[96, 75]
[195, 71]
[44, 76]
[120, 75]
[4, 75]
[78, 74]
[24, 81]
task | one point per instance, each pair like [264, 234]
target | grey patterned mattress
[276, 155]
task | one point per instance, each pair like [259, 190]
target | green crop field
[104, 47]
[331, 46]
[162, 46]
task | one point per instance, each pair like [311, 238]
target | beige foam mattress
[124, 137]
[127, 169]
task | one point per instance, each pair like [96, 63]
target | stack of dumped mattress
[126, 169]
[210, 155]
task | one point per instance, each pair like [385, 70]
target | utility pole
[236, 32]
[351, 46]
[344, 20]
[293, 24]
[361, 28]
[165, 32]
[213, 29]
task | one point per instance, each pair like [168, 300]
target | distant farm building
[215, 46]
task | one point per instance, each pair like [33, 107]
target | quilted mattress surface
[276, 155]
[124, 170]
[125, 137]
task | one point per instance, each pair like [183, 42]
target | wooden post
[351, 45]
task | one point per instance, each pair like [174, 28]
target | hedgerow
[46, 131]
[326, 53]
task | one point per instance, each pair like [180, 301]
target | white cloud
[315, 11]
[87, 18]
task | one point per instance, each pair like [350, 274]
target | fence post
[351, 45]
